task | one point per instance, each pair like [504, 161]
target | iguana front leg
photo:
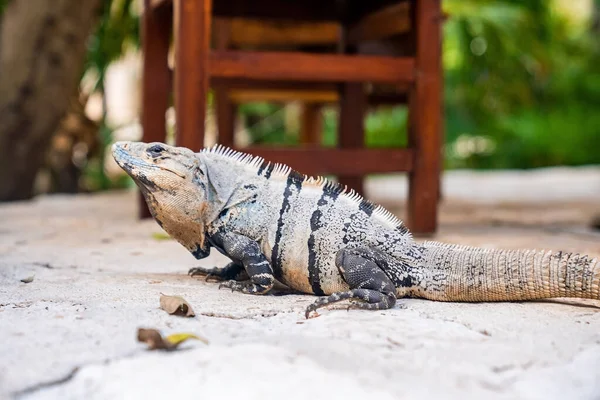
[233, 270]
[245, 251]
[361, 270]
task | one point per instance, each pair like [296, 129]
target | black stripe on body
[367, 207]
[261, 168]
[333, 188]
[314, 270]
[296, 177]
[267, 168]
[402, 229]
[345, 239]
[292, 181]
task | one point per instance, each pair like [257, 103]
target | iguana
[318, 237]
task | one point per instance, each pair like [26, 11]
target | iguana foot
[248, 256]
[230, 271]
[245, 287]
[368, 283]
[368, 300]
[207, 272]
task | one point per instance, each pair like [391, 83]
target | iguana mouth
[127, 161]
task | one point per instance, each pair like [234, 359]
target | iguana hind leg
[245, 251]
[361, 269]
[233, 270]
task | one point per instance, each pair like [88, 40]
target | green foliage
[387, 127]
[524, 78]
[3, 4]
[117, 30]
[383, 128]
[265, 123]
[522, 88]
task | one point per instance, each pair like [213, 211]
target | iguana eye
[155, 150]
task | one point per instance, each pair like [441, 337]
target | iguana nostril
[119, 145]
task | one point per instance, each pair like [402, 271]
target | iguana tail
[461, 273]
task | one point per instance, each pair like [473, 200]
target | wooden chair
[273, 35]
[268, 35]
[197, 66]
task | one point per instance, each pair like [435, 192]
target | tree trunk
[43, 47]
[595, 25]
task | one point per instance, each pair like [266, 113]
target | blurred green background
[522, 88]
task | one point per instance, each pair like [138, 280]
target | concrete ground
[98, 275]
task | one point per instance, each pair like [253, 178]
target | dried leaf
[176, 305]
[155, 341]
[152, 338]
[29, 279]
[160, 236]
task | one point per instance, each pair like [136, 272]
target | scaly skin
[509, 275]
[316, 237]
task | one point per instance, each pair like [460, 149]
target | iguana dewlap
[317, 237]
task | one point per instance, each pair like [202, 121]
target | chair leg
[351, 132]
[156, 79]
[426, 120]
[192, 47]
[311, 124]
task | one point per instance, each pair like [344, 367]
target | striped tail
[462, 273]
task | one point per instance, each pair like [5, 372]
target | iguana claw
[208, 272]
[197, 271]
[233, 285]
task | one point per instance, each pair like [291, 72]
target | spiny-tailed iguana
[317, 237]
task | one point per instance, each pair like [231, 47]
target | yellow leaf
[155, 341]
[178, 338]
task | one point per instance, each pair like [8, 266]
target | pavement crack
[24, 304]
[43, 265]
[254, 315]
[69, 376]
[48, 384]
[265, 314]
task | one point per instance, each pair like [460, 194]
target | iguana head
[174, 183]
[186, 191]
